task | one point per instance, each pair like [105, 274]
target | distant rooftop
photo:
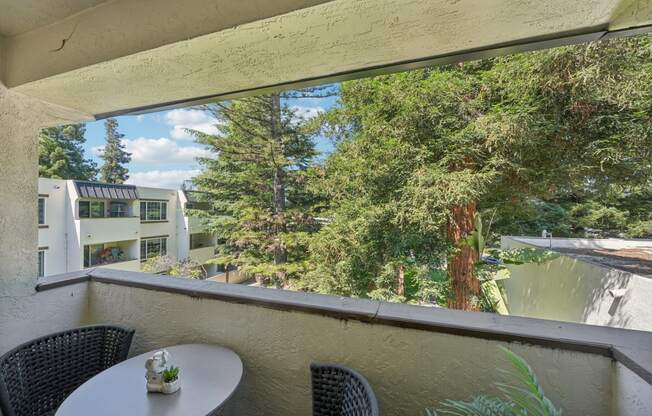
[636, 260]
[634, 256]
[101, 190]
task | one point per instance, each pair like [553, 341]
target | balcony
[100, 230]
[202, 254]
[413, 356]
[128, 265]
[202, 247]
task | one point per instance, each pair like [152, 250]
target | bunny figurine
[155, 366]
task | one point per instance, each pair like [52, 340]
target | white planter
[169, 388]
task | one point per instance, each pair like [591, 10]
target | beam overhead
[317, 42]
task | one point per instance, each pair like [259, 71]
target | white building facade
[90, 224]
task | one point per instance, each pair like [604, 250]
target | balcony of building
[202, 247]
[119, 255]
[105, 212]
[413, 356]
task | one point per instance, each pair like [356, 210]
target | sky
[163, 155]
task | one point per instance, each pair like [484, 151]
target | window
[91, 209]
[153, 211]
[92, 254]
[41, 211]
[41, 263]
[152, 247]
[118, 209]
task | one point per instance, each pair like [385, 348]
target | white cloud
[181, 119]
[306, 113]
[140, 117]
[160, 151]
[171, 179]
[97, 150]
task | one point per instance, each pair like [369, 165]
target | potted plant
[170, 380]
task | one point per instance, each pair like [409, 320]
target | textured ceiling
[19, 16]
[133, 55]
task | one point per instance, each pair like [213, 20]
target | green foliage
[527, 255]
[557, 139]
[61, 155]
[263, 211]
[171, 267]
[525, 398]
[477, 239]
[640, 229]
[114, 155]
[594, 215]
[170, 374]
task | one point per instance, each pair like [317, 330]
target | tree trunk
[280, 256]
[400, 286]
[465, 286]
[226, 274]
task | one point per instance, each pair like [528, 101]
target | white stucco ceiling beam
[113, 29]
[3, 60]
[334, 40]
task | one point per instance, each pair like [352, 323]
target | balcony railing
[100, 230]
[413, 356]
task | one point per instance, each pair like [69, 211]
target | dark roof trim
[632, 348]
[100, 190]
[523, 45]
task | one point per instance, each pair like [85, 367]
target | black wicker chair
[36, 377]
[340, 391]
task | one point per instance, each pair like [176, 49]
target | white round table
[209, 375]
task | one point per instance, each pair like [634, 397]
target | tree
[262, 211]
[172, 267]
[428, 149]
[114, 155]
[61, 155]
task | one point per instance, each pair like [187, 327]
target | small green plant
[525, 399]
[170, 374]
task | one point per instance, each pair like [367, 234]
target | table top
[209, 375]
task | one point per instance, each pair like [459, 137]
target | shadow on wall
[570, 289]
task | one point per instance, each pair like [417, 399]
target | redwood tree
[428, 148]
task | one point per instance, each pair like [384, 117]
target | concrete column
[21, 118]
[18, 188]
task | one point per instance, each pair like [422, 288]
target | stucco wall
[22, 316]
[569, 289]
[336, 37]
[42, 314]
[632, 395]
[166, 228]
[54, 236]
[408, 368]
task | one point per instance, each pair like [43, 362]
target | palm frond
[527, 398]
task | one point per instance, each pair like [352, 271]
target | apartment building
[90, 224]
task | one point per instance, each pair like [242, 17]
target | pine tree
[114, 155]
[258, 183]
[61, 155]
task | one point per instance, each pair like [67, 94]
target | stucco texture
[409, 369]
[632, 394]
[21, 315]
[335, 37]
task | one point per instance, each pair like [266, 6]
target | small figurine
[161, 376]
